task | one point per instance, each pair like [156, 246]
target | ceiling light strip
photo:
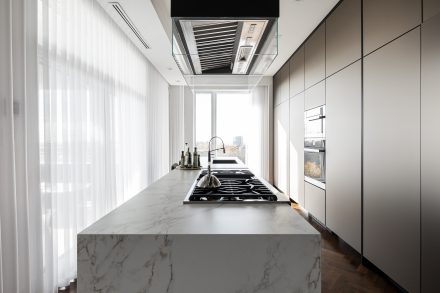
[117, 6]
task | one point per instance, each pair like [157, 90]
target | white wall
[181, 123]
[158, 159]
[176, 114]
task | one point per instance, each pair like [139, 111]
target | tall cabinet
[281, 85]
[314, 57]
[430, 8]
[314, 96]
[343, 36]
[387, 20]
[281, 148]
[344, 119]
[376, 67]
[344, 137]
[296, 148]
[392, 159]
[430, 153]
[281, 129]
[297, 72]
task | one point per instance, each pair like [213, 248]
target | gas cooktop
[236, 186]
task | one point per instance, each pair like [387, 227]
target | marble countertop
[159, 210]
[239, 165]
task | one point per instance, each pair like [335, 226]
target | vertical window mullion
[214, 118]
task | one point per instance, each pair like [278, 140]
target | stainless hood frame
[224, 46]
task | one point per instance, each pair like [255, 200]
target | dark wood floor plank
[341, 267]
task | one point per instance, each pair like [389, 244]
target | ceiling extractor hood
[224, 37]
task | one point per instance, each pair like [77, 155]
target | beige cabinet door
[343, 36]
[430, 8]
[296, 148]
[430, 153]
[315, 57]
[315, 96]
[392, 160]
[297, 72]
[343, 168]
[281, 85]
[281, 146]
[315, 201]
[386, 20]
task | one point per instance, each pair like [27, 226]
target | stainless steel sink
[223, 161]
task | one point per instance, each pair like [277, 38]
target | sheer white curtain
[182, 120]
[259, 131]
[103, 125]
[177, 122]
[20, 213]
[158, 126]
[83, 127]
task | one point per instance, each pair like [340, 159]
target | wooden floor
[69, 289]
[341, 267]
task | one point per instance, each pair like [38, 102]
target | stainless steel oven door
[314, 166]
[314, 123]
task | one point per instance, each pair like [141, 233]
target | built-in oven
[314, 146]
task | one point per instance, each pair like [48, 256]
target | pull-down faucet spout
[209, 180]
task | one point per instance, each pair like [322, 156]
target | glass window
[223, 114]
[203, 122]
[233, 123]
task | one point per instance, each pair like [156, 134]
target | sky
[232, 118]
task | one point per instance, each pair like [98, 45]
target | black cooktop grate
[244, 188]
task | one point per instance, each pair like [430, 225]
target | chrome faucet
[209, 180]
[210, 151]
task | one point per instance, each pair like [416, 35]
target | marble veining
[200, 263]
[155, 243]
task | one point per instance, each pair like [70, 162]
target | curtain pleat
[20, 240]
[91, 132]
[177, 122]
[258, 146]
[158, 127]
[105, 116]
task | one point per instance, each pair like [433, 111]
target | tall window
[225, 114]
[203, 124]
[103, 112]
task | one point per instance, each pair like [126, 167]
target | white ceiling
[144, 16]
[298, 18]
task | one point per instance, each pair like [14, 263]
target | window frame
[213, 93]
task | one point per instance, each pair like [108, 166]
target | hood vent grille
[117, 6]
[224, 46]
[228, 37]
[215, 44]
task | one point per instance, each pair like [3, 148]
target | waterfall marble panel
[155, 243]
[199, 263]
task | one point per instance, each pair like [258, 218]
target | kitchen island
[155, 243]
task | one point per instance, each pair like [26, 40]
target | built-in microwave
[314, 146]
